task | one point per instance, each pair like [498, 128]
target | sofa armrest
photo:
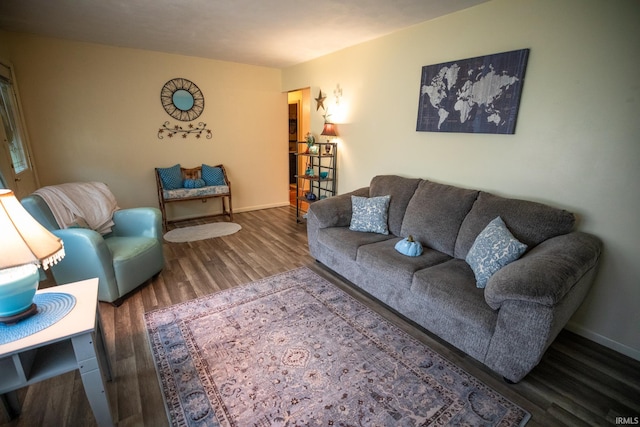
[335, 211]
[547, 272]
[145, 222]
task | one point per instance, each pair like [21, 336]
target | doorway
[299, 125]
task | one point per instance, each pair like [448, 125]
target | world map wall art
[475, 95]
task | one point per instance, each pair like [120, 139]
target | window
[8, 114]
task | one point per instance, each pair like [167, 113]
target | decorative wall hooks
[170, 132]
[337, 92]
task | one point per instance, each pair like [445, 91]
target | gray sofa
[507, 325]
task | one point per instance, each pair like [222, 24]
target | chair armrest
[86, 256]
[547, 272]
[136, 222]
[335, 211]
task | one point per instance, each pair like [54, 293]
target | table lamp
[25, 246]
[329, 129]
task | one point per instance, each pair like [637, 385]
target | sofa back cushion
[434, 215]
[401, 190]
[529, 222]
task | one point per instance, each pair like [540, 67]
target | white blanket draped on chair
[75, 202]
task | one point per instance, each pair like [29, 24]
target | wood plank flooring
[578, 382]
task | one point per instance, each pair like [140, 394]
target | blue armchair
[121, 260]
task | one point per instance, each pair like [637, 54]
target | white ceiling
[272, 33]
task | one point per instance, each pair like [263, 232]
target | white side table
[74, 342]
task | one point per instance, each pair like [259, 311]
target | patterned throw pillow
[212, 175]
[370, 214]
[171, 177]
[494, 248]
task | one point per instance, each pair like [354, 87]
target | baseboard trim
[260, 207]
[602, 340]
[235, 210]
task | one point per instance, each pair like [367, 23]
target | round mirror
[182, 99]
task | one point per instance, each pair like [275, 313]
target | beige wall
[577, 140]
[93, 113]
[4, 45]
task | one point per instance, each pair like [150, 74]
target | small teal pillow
[370, 214]
[171, 177]
[193, 183]
[494, 248]
[212, 175]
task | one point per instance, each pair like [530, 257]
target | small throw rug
[295, 350]
[201, 232]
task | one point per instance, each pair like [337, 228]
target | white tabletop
[81, 319]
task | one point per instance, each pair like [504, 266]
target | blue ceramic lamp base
[17, 288]
[9, 320]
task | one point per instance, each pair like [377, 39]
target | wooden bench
[182, 194]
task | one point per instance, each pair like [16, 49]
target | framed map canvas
[475, 95]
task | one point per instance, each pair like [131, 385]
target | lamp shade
[24, 240]
[329, 129]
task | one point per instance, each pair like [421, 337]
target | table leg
[84, 347]
[11, 404]
[102, 349]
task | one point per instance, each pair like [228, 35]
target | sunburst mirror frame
[182, 99]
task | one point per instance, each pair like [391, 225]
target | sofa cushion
[529, 222]
[454, 308]
[434, 214]
[369, 214]
[401, 190]
[494, 248]
[393, 267]
[345, 242]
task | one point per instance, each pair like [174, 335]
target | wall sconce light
[25, 245]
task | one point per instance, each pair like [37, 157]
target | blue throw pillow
[212, 175]
[494, 248]
[171, 177]
[370, 214]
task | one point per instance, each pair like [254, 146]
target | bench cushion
[182, 193]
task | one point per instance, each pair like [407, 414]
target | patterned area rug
[293, 350]
[201, 232]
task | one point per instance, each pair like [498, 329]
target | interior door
[15, 163]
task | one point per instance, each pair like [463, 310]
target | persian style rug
[201, 232]
[294, 350]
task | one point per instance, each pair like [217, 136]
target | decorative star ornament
[320, 100]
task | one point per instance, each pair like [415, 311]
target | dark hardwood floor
[577, 383]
